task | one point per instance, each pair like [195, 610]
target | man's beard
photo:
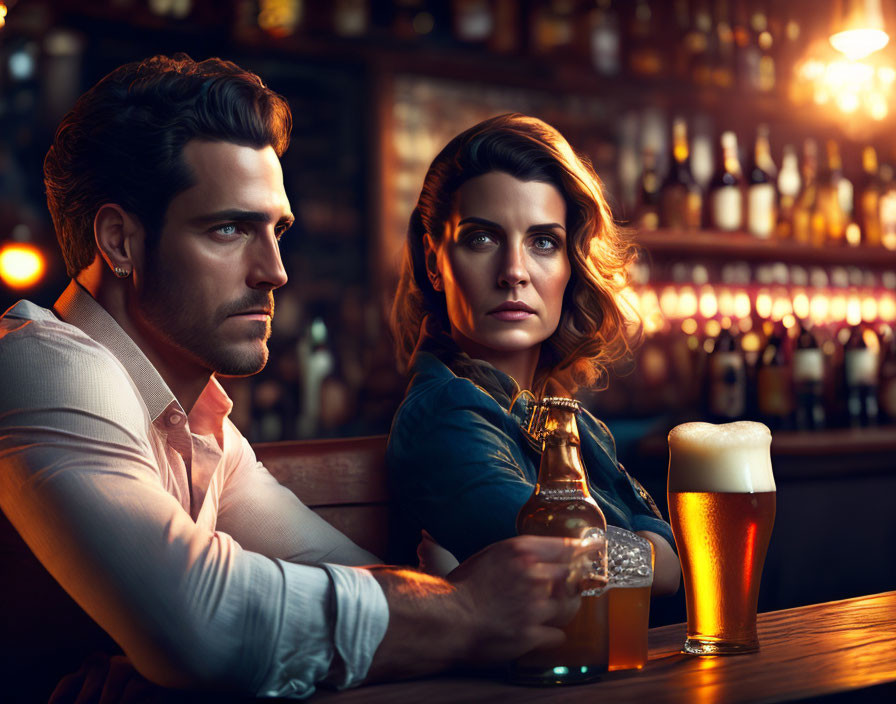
[165, 305]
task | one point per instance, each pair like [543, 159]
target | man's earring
[121, 272]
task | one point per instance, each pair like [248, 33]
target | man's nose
[513, 270]
[266, 269]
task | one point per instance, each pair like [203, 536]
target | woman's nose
[513, 269]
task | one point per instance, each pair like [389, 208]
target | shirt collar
[77, 307]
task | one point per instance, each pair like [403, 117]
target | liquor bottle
[761, 210]
[765, 78]
[727, 380]
[805, 216]
[351, 18]
[699, 41]
[808, 381]
[789, 184]
[869, 199]
[649, 215]
[860, 374]
[888, 208]
[644, 57]
[723, 51]
[552, 27]
[562, 506]
[726, 190]
[774, 389]
[887, 377]
[604, 38]
[682, 202]
[827, 205]
[473, 20]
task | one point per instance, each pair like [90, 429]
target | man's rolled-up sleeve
[189, 606]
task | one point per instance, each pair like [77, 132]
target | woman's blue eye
[545, 243]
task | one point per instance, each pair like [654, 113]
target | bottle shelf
[718, 245]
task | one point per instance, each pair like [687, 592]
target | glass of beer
[722, 509]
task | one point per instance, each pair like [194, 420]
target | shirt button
[174, 419]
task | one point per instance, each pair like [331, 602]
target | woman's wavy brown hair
[592, 332]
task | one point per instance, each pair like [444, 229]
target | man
[120, 470]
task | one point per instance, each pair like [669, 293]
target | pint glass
[722, 509]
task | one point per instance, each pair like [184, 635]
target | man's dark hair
[123, 141]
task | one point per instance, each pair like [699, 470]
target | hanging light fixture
[858, 28]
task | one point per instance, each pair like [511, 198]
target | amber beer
[561, 506]
[722, 509]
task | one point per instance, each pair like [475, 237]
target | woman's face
[502, 264]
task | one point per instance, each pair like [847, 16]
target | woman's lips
[511, 315]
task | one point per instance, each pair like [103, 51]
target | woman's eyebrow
[477, 221]
[547, 226]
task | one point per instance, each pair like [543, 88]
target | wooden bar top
[806, 652]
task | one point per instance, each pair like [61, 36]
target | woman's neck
[520, 365]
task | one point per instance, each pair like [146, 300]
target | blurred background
[747, 146]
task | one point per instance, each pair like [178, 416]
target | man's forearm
[428, 625]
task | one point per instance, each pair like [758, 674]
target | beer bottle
[562, 506]
[727, 382]
[869, 199]
[682, 202]
[805, 221]
[888, 208]
[773, 381]
[649, 216]
[761, 215]
[789, 183]
[860, 369]
[726, 189]
[808, 381]
[887, 383]
[828, 206]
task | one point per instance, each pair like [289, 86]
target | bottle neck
[561, 460]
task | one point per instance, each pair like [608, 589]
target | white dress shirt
[162, 526]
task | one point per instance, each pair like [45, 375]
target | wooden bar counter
[806, 653]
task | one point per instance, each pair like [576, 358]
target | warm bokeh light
[801, 305]
[869, 309]
[838, 308]
[689, 326]
[887, 308]
[856, 44]
[853, 310]
[669, 301]
[819, 307]
[742, 305]
[687, 303]
[21, 265]
[708, 305]
[763, 304]
[850, 85]
[3, 12]
[750, 342]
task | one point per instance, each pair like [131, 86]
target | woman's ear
[431, 257]
[117, 233]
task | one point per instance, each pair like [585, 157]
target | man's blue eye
[227, 229]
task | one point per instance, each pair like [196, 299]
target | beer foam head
[731, 457]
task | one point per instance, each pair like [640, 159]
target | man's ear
[119, 238]
[431, 257]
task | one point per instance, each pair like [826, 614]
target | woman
[510, 281]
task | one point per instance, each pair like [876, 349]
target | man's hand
[504, 601]
[522, 592]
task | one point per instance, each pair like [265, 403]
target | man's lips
[511, 311]
[258, 314]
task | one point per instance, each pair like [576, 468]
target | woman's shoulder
[593, 429]
[435, 389]
[440, 405]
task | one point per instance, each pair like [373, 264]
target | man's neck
[185, 378]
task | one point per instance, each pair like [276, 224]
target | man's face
[205, 298]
